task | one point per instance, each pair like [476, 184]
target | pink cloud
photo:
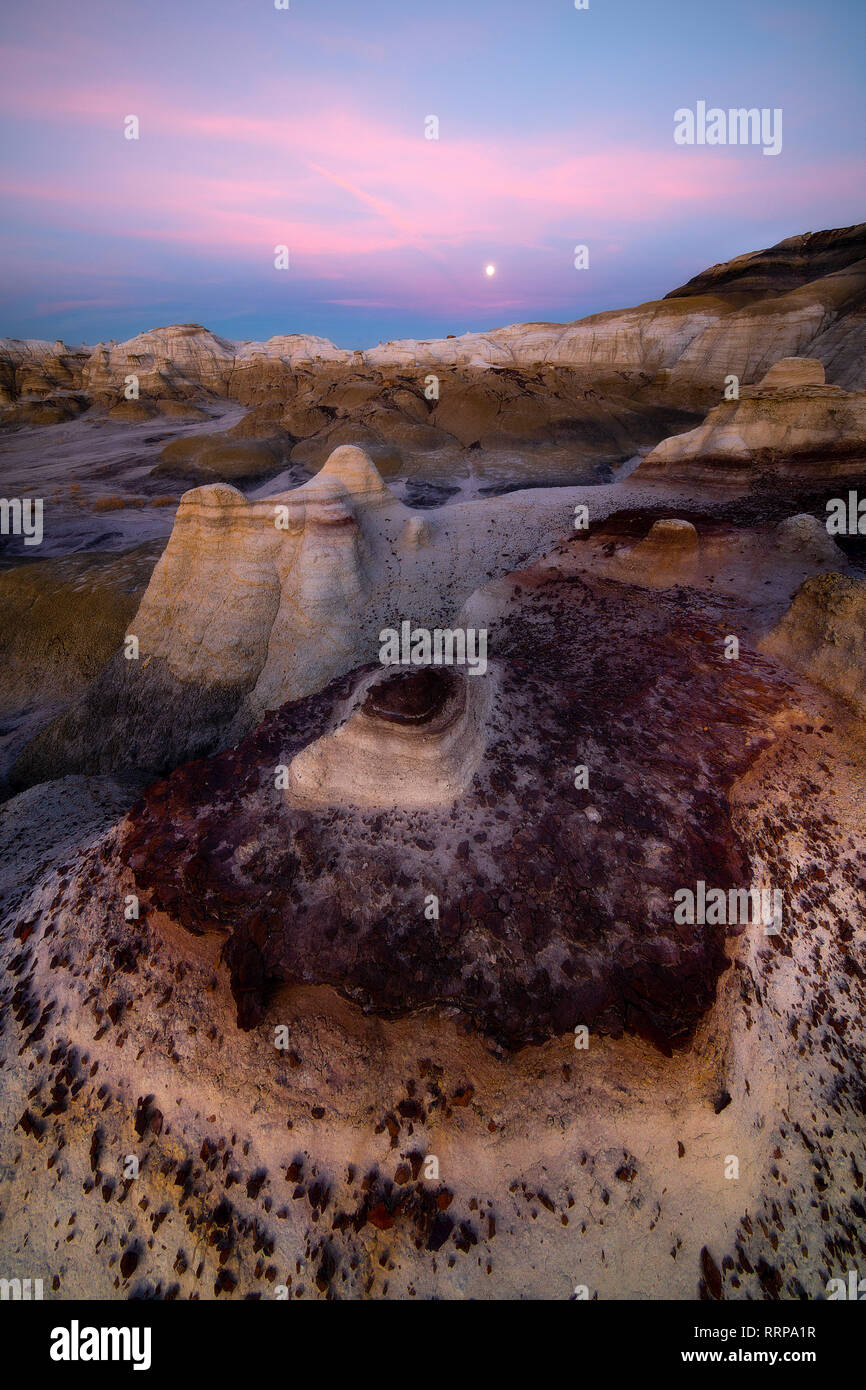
[338, 184]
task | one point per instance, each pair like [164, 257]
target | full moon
[490, 270]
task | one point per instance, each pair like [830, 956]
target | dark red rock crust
[548, 918]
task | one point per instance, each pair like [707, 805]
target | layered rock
[776, 430]
[803, 296]
[823, 635]
[188, 357]
[30, 368]
[256, 602]
[793, 371]
[786, 266]
[412, 739]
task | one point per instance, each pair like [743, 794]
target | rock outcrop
[255, 602]
[222, 456]
[804, 537]
[529, 904]
[667, 555]
[789, 265]
[804, 296]
[788, 427]
[793, 371]
[823, 635]
[761, 563]
[413, 739]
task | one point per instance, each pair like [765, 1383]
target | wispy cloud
[349, 184]
[306, 128]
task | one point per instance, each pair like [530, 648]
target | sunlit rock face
[271, 596]
[823, 635]
[792, 371]
[667, 555]
[789, 427]
[415, 739]
[255, 602]
[432, 846]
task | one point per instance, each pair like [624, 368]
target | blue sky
[305, 128]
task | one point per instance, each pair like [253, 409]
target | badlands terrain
[325, 979]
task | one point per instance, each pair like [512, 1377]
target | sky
[306, 128]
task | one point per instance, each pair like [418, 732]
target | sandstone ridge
[804, 295]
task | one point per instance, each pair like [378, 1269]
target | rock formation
[789, 427]
[787, 266]
[540, 382]
[552, 905]
[253, 603]
[804, 537]
[416, 739]
[667, 555]
[439, 899]
[761, 563]
[222, 456]
[792, 371]
[823, 635]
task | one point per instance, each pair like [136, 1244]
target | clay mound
[823, 635]
[51, 410]
[805, 536]
[413, 739]
[208, 456]
[805, 433]
[262, 423]
[181, 410]
[314, 452]
[667, 555]
[793, 371]
[135, 412]
[552, 906]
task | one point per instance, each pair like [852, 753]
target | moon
[490, 270]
